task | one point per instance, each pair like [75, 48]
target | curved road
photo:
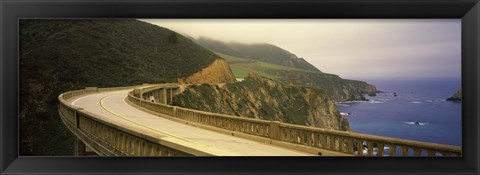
[113, 107]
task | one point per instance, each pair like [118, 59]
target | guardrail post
[274, 130]
[171, 96]
[174, 111]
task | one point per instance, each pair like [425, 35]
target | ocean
[418, 112]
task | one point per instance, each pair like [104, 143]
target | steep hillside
[242, 67]
[263, 98]
[218, 46]
[214, 73]
[339, 89]
[261, 52]
[62, 55]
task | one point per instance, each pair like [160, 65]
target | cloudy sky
[360, 49]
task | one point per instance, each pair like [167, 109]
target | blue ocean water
[422, 101]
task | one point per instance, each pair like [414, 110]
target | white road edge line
[142, 125]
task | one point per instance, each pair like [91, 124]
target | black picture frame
[11, 11]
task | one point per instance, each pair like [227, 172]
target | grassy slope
[241, 67]
[261, 52]
[338, 88]
[276, 63]
[62, 55]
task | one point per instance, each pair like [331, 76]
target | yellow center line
[125, 118]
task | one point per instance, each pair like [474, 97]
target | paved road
[112, 106]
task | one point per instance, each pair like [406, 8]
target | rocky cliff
[263, 98]
[217, 72]
[339, 89]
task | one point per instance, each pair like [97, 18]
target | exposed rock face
[262, 98]
[339, 89]
[456, 97]
[217, 72]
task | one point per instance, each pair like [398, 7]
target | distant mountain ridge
[243, 58]
[339, 89]
[262, 52]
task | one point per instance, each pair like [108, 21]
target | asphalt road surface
[113, 106]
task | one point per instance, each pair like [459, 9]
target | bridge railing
[362, 144]
[161, 108]
[239, 124]
[339, 141]
[117, 88]
[107, 137]
[244, 125]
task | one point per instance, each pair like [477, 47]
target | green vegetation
[261, 52]
[60, 55]
[241, 67]
[278, 64]
[338, 88]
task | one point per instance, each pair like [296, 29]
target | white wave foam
[435, 100]
[369, 101]
[345, 113]
[417, 123]
[341, 104]
[416, 102]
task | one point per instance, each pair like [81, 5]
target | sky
[350, 48]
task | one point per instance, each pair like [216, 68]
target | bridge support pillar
[169, 95]
[79, 147]
[163, 96]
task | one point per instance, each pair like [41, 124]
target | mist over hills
[278, 64]
[261, 51]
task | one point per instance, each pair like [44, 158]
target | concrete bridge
[139, 121]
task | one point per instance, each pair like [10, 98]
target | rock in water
[457, 97]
